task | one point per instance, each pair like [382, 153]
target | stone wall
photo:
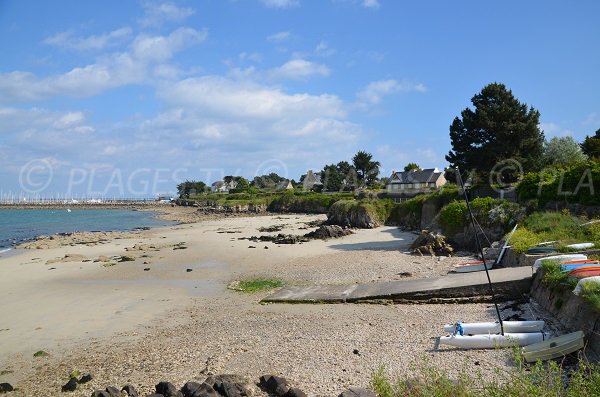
[571, 310]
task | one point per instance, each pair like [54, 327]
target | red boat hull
[583, 272]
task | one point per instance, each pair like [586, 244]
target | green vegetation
[590, 292]
[563, 151]
[257, 284]
[376, 210]
[591, 145]
[487, 211]
[40, 353]
[549, 379]
[553, 226]
[557, 280]
[578, 183]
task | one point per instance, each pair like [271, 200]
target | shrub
[453, 217]
[522, 239]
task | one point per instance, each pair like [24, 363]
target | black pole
[480, 249]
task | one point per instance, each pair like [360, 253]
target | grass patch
[256, 285]
[554, 277]
[590, 292]
[540, 379]
[40, 353]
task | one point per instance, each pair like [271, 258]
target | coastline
[95, 313]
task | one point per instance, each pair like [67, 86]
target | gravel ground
[322, 349]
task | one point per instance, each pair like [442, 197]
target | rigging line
[480, 249]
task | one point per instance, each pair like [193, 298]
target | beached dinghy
[494, 327]
[492, 341]
[585, 272]
[541, 250]
[580, 246]
[561, 258]
[583, 281]
[553, 347]
[566, 267]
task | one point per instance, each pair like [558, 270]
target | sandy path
[124, 324]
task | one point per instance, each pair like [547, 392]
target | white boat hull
[562, 258]
[492, 341]
[554, 347]
[494, 327]
[580, 246]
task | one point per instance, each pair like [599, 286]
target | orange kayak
[573, 262]
[584, 272]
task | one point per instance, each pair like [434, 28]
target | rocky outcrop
[431, 243]
[350, 213]
[325, 232]
[233, 209]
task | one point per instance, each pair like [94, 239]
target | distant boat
[68, 210]
[585, 272]
[553, 347]
[580, 246]
[475, 266]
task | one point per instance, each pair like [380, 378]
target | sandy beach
[153, 305]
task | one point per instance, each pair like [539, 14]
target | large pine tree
[499, 128]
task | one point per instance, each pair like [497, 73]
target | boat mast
[480, 249]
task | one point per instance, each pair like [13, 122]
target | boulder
[100, 393]
[86, 378]
[195, 389]
[113, 391]
[71, 385]
[130, 390]
[357, 392]
[168, 389]
[229, 385]
[325, 232]
[431, 243]
[274, 384]
[6, 387]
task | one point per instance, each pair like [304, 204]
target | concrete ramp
[509, 284]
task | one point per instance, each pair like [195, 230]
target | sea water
[19, 225]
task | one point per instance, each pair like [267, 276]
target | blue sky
[128, 98]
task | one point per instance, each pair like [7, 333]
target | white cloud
[69, 41]
[252, 56]
[592, 119]
[554, 130]
[323, 49]
[215, 95]
[280, 3]
[299, 69]
[278, 37]
[157, 13]
[374, 92]
[371, 3]
[108, 72]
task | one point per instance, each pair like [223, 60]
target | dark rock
[229, 385]
[130, 390]
[126, 258]
[355, 351]
[325, 232]
[357, 392]
[295, 392]
[100, 393]
[86, 378]
[274, 384]
[113, 391]
[6, 387]
[71, 385]
[195, 389]
[188, 270]
[431, 243]
[146, 269]
[154, 395]
[168, 389]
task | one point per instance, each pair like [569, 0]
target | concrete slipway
[509, 283]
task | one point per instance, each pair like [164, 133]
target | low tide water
[20, 225]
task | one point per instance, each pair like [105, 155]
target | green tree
[412, 167]
[187, 188]
[562, 151]
[499, 128]
[367, 170]
[332, 178]
[591, 145]
[242, 184]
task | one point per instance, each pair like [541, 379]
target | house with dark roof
[416, 181]
[286, 184]
[311, 180]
